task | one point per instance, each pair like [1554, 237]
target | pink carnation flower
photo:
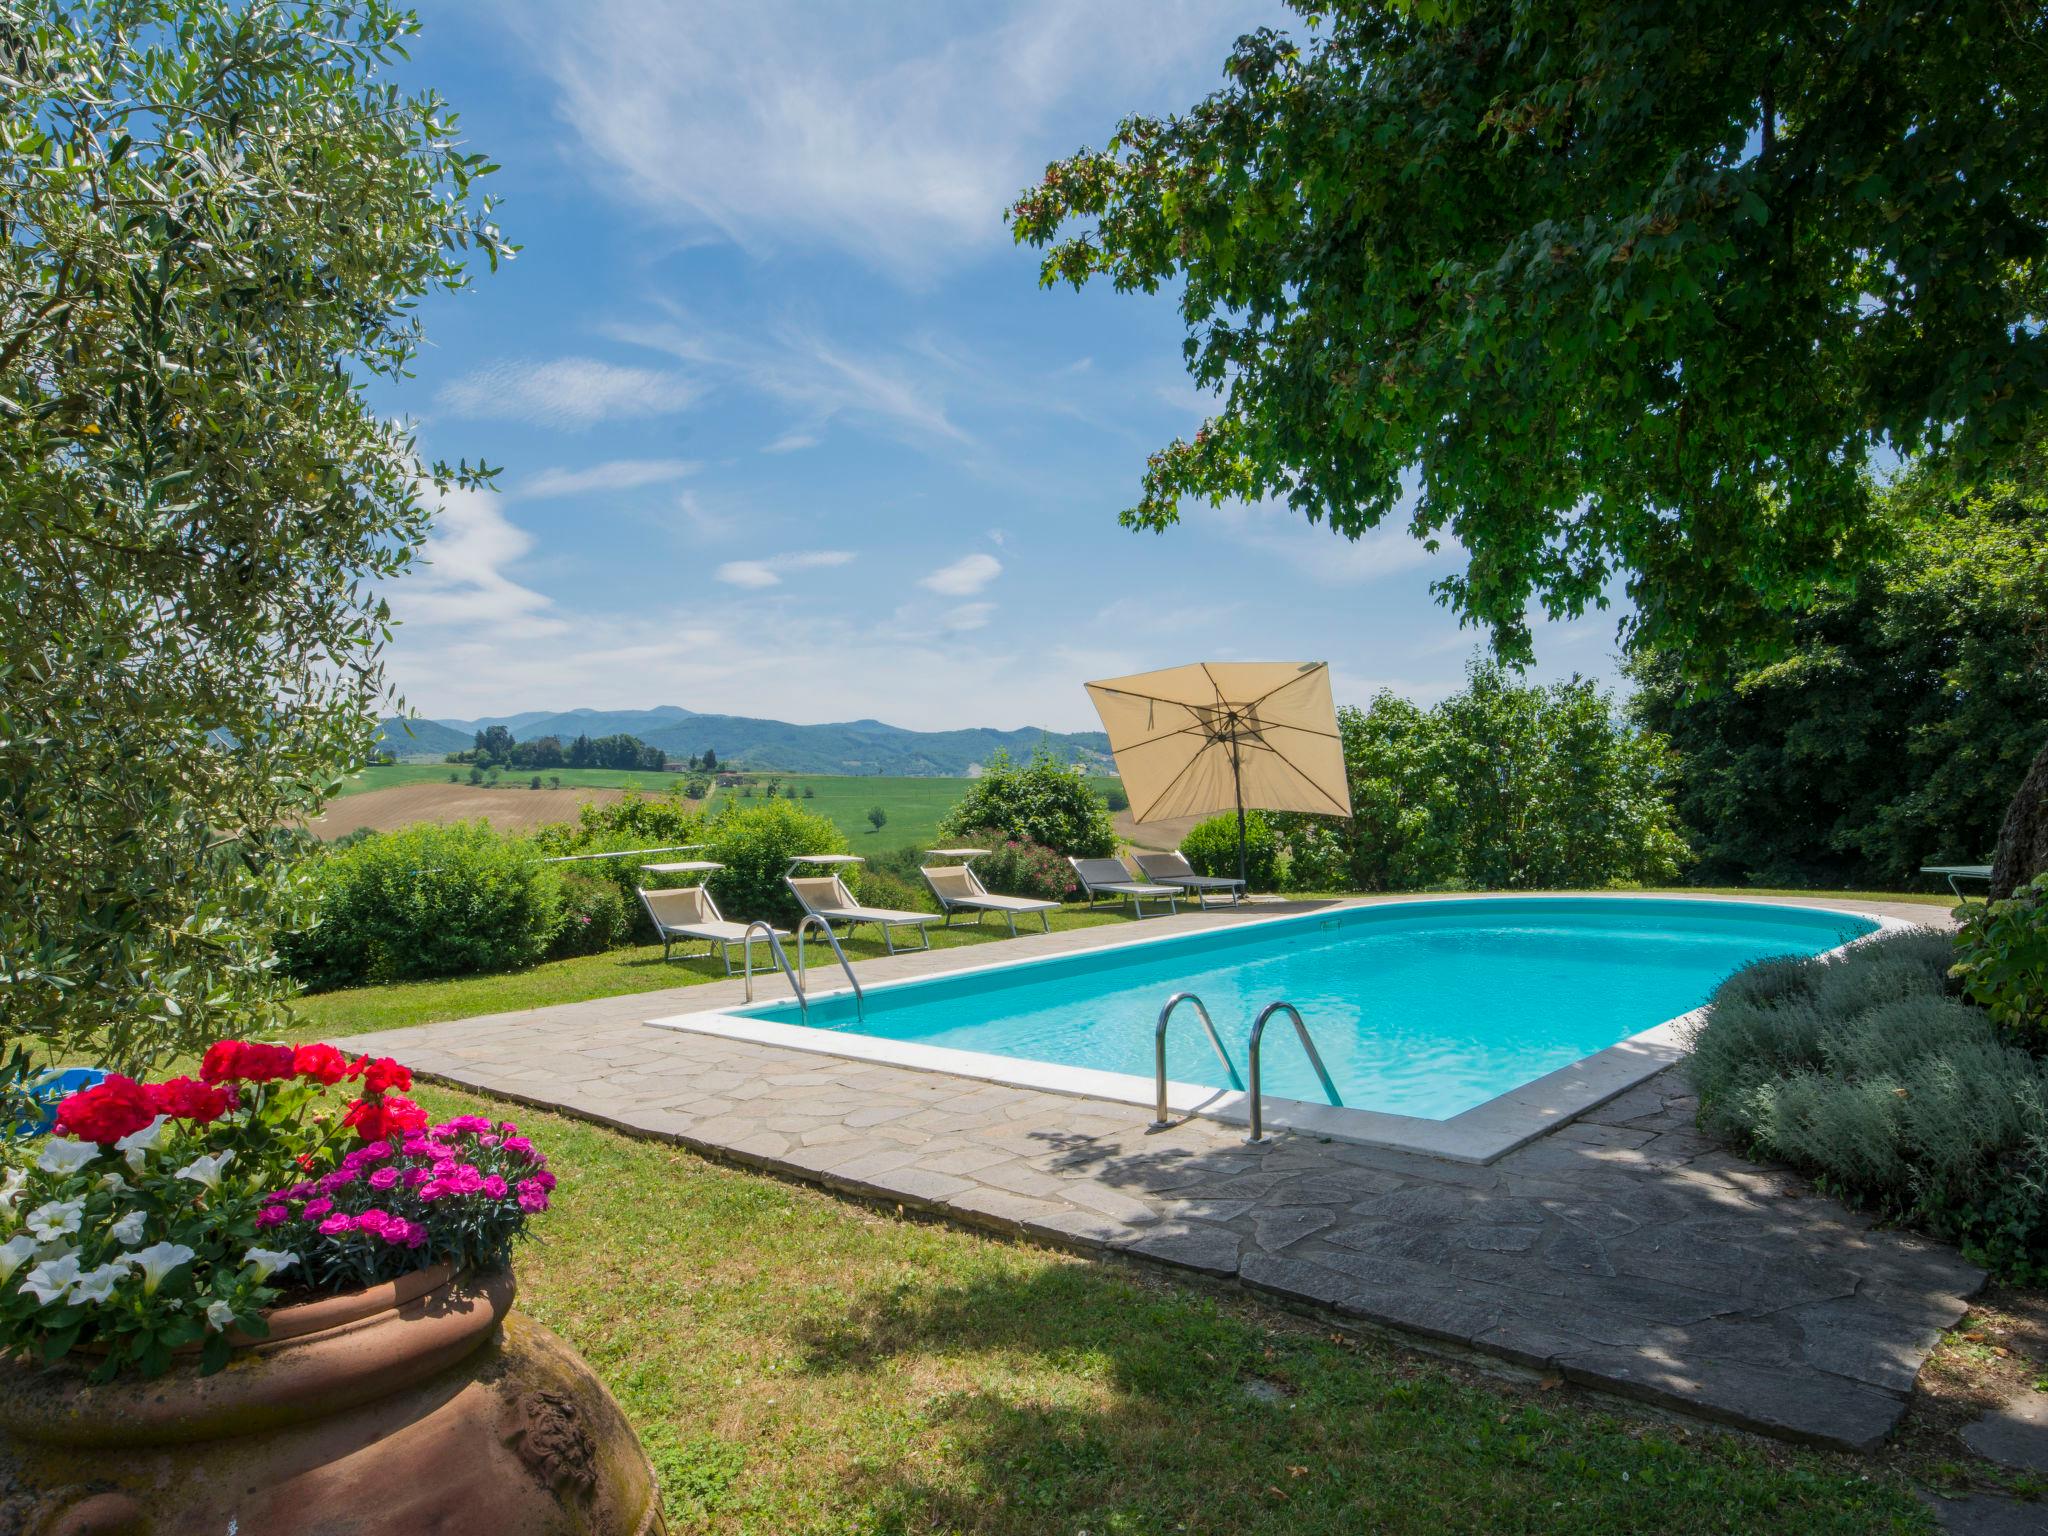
[494, 1186]
[383, 1178]
[533, 1196]
[315, 1209]
[272, 1216]
[338, 1224]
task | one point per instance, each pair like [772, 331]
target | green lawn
[391, 775]
[797, 1362]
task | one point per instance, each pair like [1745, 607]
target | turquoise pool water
[1425, 1009]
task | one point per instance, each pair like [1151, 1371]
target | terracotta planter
[421, 1406]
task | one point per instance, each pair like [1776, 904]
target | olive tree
[216, 218]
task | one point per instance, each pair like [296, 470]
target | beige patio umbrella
[1222, 735]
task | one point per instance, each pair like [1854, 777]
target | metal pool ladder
[1215, 1040]
[797, 972]
[1258, 1136]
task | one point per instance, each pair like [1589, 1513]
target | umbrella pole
[1237, 783]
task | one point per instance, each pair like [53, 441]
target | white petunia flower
[113, 1183]
[268, 1261]
[206, 1169]
[46, 1252]
[220, 1316]
[54, 1219]
[96, 1285]
[14, 1253]
[158, 1260]
[10, 1188]
[128, 1230]
[50, 1282]
[137, 1145]
[66, 1154]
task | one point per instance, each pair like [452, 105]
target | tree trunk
[2023, 841]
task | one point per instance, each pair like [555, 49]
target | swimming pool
[1423, 1011]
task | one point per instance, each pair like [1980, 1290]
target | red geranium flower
[374, 1118]
[384, 1074]
[107, 1111]
[231, 1061]
[321, 1063]
[186, 1098]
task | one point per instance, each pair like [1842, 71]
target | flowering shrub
[1016, 866]
[159, 1217]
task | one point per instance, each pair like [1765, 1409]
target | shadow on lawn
[1093, 1399]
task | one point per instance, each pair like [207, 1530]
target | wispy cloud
[1314, 551]
[966, 617]
[823, 379]
[897, 135]
[964, 577]
[768, 572]
[459, 576]
[617, 475]
[569, 392]
[792, 442]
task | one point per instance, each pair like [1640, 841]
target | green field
[914, 807]
[391, 775]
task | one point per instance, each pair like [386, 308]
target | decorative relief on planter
[551, 1439]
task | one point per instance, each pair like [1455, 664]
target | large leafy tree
[215, 219]
[1502, 785]
[1619, 291]
[1899, 724]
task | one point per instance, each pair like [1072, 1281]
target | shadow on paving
[1627, 1252]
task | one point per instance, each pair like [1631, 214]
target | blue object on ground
[51, 1088]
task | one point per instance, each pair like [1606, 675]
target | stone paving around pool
[1624, 1251]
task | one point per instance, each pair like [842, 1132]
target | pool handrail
[1257, 1136]
[802, 932]
[781, 958]
[1159, 1051]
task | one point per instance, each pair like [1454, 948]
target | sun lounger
[690, 913]
[1174, 869]
[826, 896]
[1108, 877]
[958, 888]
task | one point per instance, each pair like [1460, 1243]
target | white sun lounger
[690, 913]
[826, 896]
[1174, 869]
[959, 888]
[1108, 877]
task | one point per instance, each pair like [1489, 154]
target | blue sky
[788, 427]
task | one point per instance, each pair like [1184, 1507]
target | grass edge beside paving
[800, 1359]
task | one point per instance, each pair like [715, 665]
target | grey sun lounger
[1174, 869]
[826, 896]
[1108, 877]
[690, 913]
[958, 888]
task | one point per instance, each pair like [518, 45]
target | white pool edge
[1482, 1134]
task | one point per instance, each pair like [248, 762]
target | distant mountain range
[850, 747]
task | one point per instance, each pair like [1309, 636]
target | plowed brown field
[509, 810]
